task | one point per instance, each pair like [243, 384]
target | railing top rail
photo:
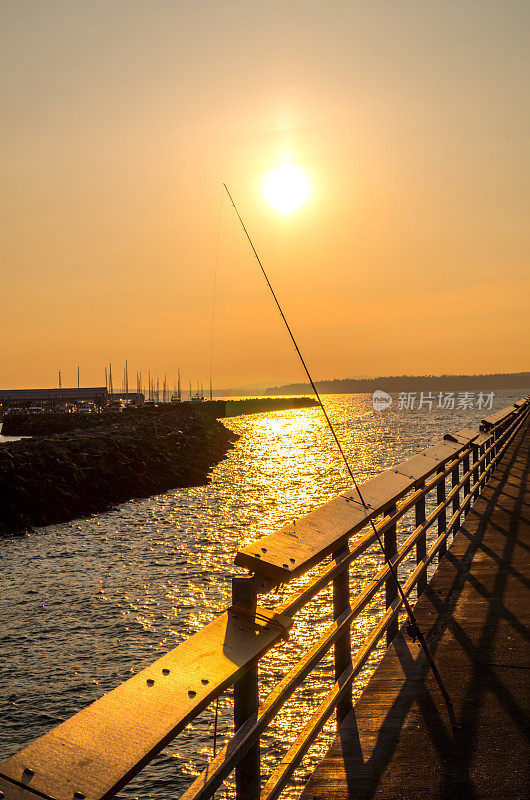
[464, 436]
[488, 423]
[296, 547]
[98, 750]
[500, 416]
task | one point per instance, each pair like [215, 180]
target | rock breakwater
[24, 424]
[56, 478]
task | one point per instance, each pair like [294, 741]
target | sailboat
[176, 396]
[199, 396]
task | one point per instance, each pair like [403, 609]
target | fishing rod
[413, 627]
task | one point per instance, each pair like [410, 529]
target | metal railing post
[442, 517]
[421, 544]
[481, 451]
[467, 484]
[498, 434]
[342, 649]
[455, 477]
[391, 590]
[246, 699]
[489, 455]
[476, 474]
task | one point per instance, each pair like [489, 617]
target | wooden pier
[397, 741]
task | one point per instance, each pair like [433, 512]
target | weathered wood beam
[489, 422]
[96, 752]
[291, 551]
[14, 791]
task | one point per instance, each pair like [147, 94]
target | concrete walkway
[396, 743]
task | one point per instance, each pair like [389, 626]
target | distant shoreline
[513, 381]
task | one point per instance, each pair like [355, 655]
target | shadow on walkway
[397, 741]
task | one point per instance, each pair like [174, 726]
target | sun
[286, 188]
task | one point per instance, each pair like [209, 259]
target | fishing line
[216, 713]
[413, 625]
[215, 288]
[215, 727]
[210, 423]
[215, 731]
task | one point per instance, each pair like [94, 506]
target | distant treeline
[516, 381]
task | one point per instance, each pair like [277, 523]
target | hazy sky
[121, 119]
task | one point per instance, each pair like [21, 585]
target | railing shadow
[363, 774]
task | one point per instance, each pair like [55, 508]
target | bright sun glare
[286, 188]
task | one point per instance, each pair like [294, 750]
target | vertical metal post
[498, 438]
[442, 517]
[246, 699]
[490, 454]
[475, 474]
[341, 602]
[481, 451]
[391, 590]
[455, 477]
[467, 483]
[421, 544]
[488, 462]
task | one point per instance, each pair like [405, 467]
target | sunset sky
[122, 119]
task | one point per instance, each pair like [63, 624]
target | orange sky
[121, 120]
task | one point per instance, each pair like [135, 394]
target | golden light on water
[286, 188]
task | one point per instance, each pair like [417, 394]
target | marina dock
[468, 499]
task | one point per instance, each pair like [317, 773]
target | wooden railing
[100, 749]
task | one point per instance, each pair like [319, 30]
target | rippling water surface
[85, 604]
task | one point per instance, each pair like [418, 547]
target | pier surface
[396, 743]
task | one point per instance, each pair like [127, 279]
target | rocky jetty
[104, 460]
[258, 405]
[24, 424]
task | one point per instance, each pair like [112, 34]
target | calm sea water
[84, 605]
